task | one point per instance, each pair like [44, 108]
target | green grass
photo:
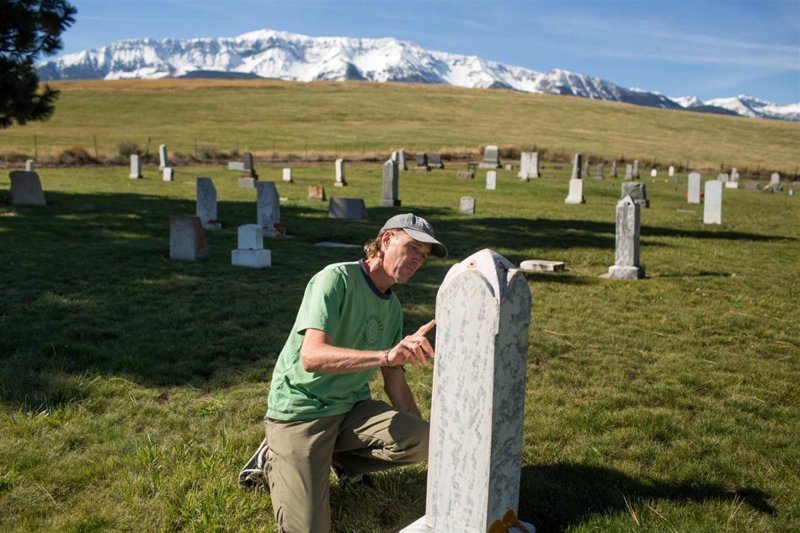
[132, 387]
[307, 120]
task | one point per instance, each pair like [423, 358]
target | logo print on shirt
[372, 331]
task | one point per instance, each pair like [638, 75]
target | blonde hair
[373, 248]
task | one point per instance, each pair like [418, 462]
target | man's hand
[413, 349]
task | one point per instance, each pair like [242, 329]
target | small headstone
[775, 178]
[598, 175]
[347, 208]
[465, 174]
[236, 165]
[26, 188]
[577, 165]
[391, 179]
[316, 193]
[636, 169]
[250, 252]
[168, 174]
[626, 256]
[435, 161]
[653, 173]
[287, 175]
[751, 186]
[491, 157]
[207, 204]
[269, 209]
[629, 171]
[509, 166]
[693, 194]
[735, 174]
[247, 183]
[614, 168]
[529, 165]
[136, 167]
[541, 265]
[163, 162]
[712, 210]
[421, 162]
[341, 180]
[731, 184]
[671, 171]
[30, 166]
[637, 192]
[791, 192]
[187, 240]
[491, 180]
[723, 177]
[467, 205]
[575, 195]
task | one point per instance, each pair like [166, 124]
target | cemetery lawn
[132, 387]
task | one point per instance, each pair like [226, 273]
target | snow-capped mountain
[288, 56]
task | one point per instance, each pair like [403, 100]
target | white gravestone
[136, 167]
[671, 171]
[341, 180]
[491, 157]
[187, 240]
[636, 169]
[168, 174]
[206, 209]
[577, 166]
[626, 255]
[26, 188]
[162, 157]
[653, 173]
[30, 165]
[391, 179]
[347, 208]
[467, 205]
[629, 171]
[775, 179]
[712, 210]
[287, 175]
[491, 180]
[483, 313]
[735, 174]
[269, 209]
[693, 193]
[614, 168]
[250, 252]
[575, 195]
[731, 184]
[400, 157]
[529, 165]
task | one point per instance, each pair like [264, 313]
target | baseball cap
[418, 229]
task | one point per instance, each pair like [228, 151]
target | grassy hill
[306, 120]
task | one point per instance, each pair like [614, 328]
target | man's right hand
[413, 349]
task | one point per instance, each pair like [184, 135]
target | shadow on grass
[560, 496]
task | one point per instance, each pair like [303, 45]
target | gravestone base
[135, 176]
[212, 225]
[574, 200]
[421, 527]
[340, 184]
[251, 258]
[389, 203]
[541, 265]
[247, 183]
[274, 230]
[624, 272]
[731, 184]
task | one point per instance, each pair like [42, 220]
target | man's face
[402, 255]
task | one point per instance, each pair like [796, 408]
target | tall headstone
[250, 252]
[136, 167]
[483, 312]
[575, 195]
[491, 157]
[629, 171]
[636, 169]
[341, 180]
[287, 175]
[26, 188]
[391, 179]
[637, 192]
[614, 168]
[671, 171]
[269, 209]
[207, 204]
[529, 165]
[30, 165]
[693, 193]
[187, 240]
[467, 205]
[577, 165]
[491, 180]
[249, 166]
[712, 208]
[347, 208]
[163, 161]
[600, 171]
[626, 256]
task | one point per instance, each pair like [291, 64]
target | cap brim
[438, 249]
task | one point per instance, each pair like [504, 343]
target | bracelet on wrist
[386, 358]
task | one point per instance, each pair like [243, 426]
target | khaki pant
[372, 436]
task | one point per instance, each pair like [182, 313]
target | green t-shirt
[342, 301]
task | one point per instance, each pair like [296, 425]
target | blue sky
[703, 48]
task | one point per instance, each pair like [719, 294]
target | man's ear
[385, 238]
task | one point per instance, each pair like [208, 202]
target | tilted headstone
[629, 171]
[671, 171]
[599, 172]
[269, 209]
[421, 161]
[712, 208]
[287, 175]
[483, 313]
[26, 188]
[30, 165]
[693, 193]
[400, 157]
[636, 169]
[529, 165]
[347, 208]
[614, 168]
[575, 195]
[626, 256]
[316, 193]
[491, 157]
[491, 180]
[341, 180]
[638, 193]
[435, 161]
[577, 165]
[391, 179]
[250, 252]
[163, 161]
[187, 240]
[466, 205]
[207, 204]
[168, 174]
[136, 167]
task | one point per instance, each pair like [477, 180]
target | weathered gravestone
[734, 174]
[483, 313]
[30, 165]
[465, 174]
[529, 165]
[187, 240]
[541, 265]
[269, 210]
[168, 174]
[600, 171]
[250, 252]
[575, 195]
[248, 177]
[26, 188]
[341, 180]
[391, 179]
[207, 204]
[626, 255]
[712, 208]
[775, 179]
[136, 167]
[163, 161]
[491, 180]
[723, 177]
[614, 168]
[629, 171]
[287, 175]
[421, 162]
[671, 171]
[693, 193]
[491, 157]
[316, 193]
[347, 208]
[467, 205]
[577, 165]
[400, 157]
[637, 192]
[435, 161]
[636, 169]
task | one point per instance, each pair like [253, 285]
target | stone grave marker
[435, 161]
[341, 180]
[136, 167]
[491, 157]
[629, 171]
[421, 162]
[491, 180]
[653, 173]
[637, 192]
[636, 169]
[467, 205]
[250, 252]
[528, 165]
[614, 168]
[735, 174]
[347, 208]
[249, 166]
[712, 208]
[30, 165]
[26, 188]
[316, 193]
[187, 240]
[207, 204]
[400, 157]
[163, 161]
[287, 175]
[483, 313]
[465, 174]
[541, 265]
[730, 184]
[577, 165]
[693, 194]
[671, 171]
[168, 174]
[723, 177]
[626, 256]
[775, 179]
[391, 179]
[600, 171]
[269, 209]
[575, 195]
